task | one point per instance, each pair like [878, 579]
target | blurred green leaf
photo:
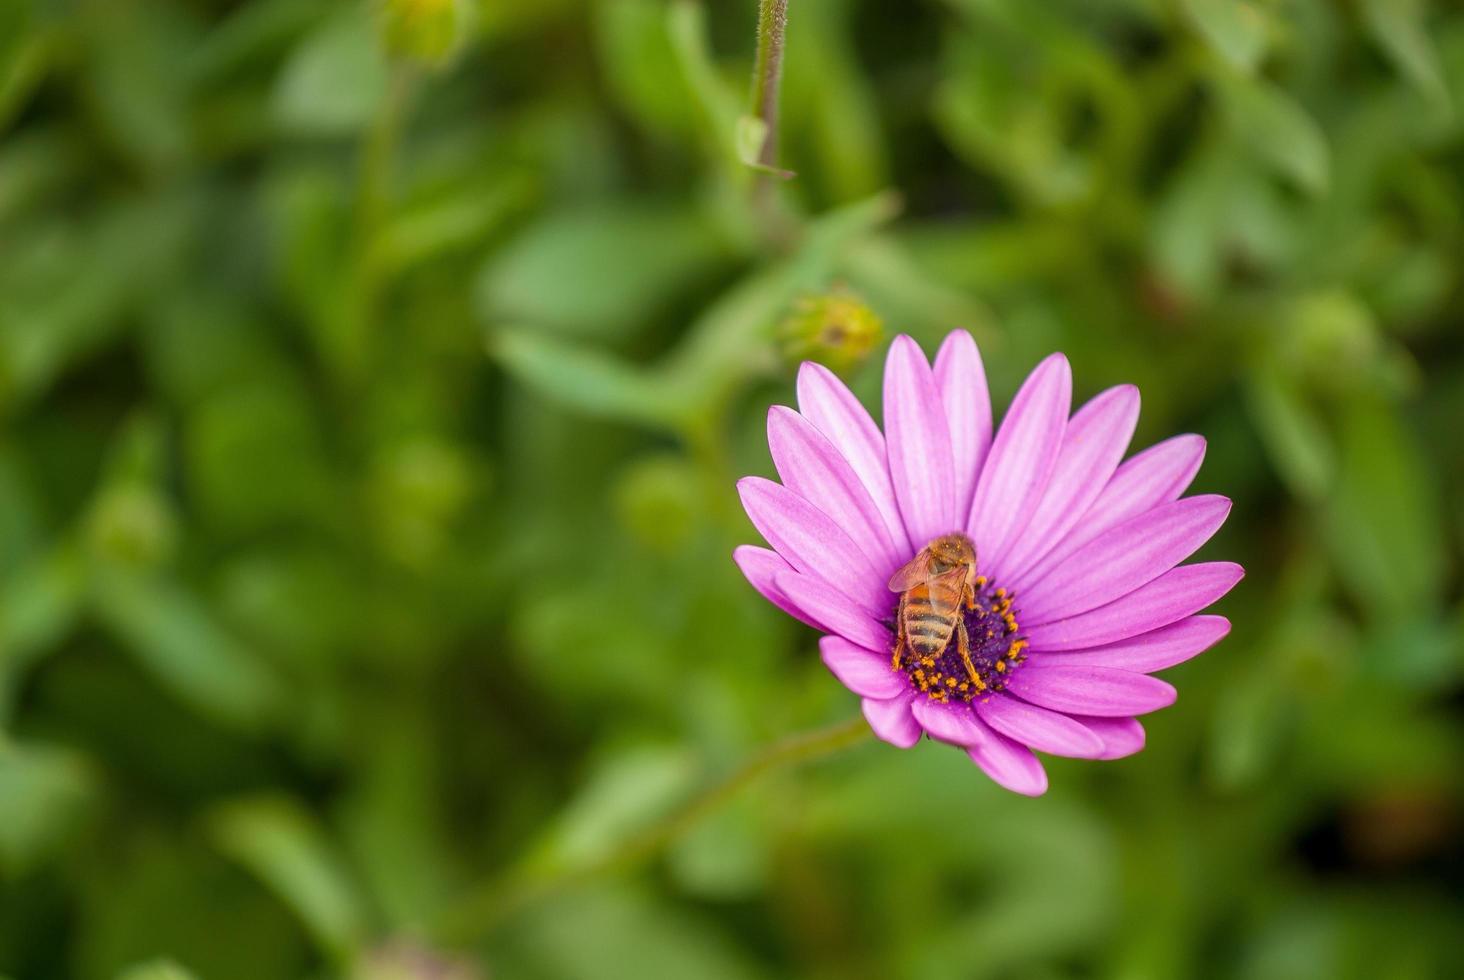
[598, 271]
[1299, 444]
[611, 934]
[39, 603]
[335, 79]
[156, 970]
[1238, 30]
[175, 637]
[140, 101]
[826, 81]
[428, 230]
[24, 52]
[45, 791]
[150, 894]
[1277, 130]
[725, 856]
[585, 380]
[630, 788]
[1383, 524]
[1401, 28]
[69, 291]
[279, 841]
[719, 108]
[639, 63]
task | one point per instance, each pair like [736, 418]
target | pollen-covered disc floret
[996, 651]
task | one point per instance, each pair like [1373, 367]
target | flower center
[994, 644]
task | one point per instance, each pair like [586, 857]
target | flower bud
[429, 31]
[131, 524]
[837, 329]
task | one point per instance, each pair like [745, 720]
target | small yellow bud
[429, 31]
[837, 329]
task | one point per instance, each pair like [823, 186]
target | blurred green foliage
[372, 382]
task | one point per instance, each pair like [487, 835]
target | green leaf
[280, 842]
[44, 793]
[585, 380]
[24, 56]
[1278, 130]
[1400, 28]
[1237, 30]
[628, 790]
[156, 970]
[601, 271]
[132, 77]
[617, 934]
[719, 109]
[1383, 524]
[39, 603]
[751, 133]
[68, 293]
[640, 65]
[177, 640]
[335, 80]
[432, 229]
[1299, 445]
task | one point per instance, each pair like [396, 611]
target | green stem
[373, 206]
[484, 909]
[772, 29]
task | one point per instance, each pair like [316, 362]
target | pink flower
[1080, 594]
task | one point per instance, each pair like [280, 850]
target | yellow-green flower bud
[837, 329]
[428, 31]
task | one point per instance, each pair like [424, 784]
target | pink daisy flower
[1076, 593]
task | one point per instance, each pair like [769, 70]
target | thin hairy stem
[772, 29]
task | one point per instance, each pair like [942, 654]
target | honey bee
[934, 587]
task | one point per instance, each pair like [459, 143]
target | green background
[373, 382]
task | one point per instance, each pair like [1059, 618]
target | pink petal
[892, 721]
[1123, 559]
[833, 409]
[1178, 593]
[862, 671]
[955, 722]
[1021, 460]
[813, 544]
[961, 380]
[1092, 447]
[1101, 691]
[1150, 651]
[1155, 476]
[918, 444]
[1010, 765]
[1046, 731]
[813, 468]
[760, 566]
[832, 611]
[1121, 736]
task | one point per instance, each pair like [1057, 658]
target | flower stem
[487, 907]
[772, 28]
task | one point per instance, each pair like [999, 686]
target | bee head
[951, 550]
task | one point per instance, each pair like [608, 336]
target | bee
[934, 587]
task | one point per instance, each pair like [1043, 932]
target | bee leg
[963, 644]
[899, 635]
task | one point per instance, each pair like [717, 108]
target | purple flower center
[996, 650]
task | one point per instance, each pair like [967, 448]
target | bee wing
[945, 591]
[914, 572]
